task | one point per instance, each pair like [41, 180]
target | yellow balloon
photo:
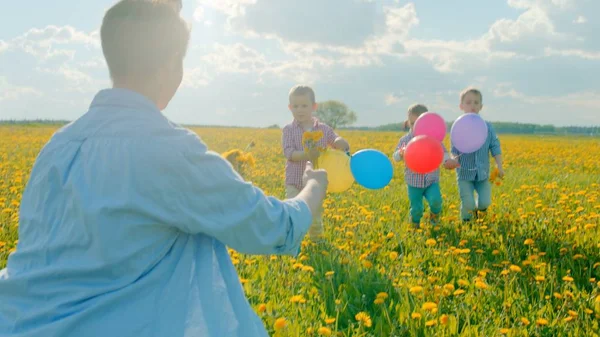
[337, 165]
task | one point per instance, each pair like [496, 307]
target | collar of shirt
[314, 120]
[127, 99]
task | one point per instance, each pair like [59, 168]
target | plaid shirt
[413, 178]
[292, 141]
[475, 166]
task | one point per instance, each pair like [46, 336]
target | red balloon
[423, 154]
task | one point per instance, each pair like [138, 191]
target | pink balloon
[432, 125]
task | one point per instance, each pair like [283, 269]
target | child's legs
[467, 199]
[316, 229]
[484, 194]
[433, 195]
[415, 196]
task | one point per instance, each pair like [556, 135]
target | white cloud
[196, 78]
[533, 22]
[232, 8]
[573, 52]
[54, 61]
[588, 99]
[52, 40]
[236, 58]
[199, 13]
[3, 46]
[580, 19]
[332, 22]
[94, 63]
[527, 37]
[9, 91]
[391, 99]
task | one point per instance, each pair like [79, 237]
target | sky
[536, 61]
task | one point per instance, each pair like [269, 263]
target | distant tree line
[500, 127]
[507, 127]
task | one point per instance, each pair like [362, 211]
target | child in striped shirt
[421, 185]
[474, 170]
[302, 104]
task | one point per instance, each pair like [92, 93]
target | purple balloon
[468, 133]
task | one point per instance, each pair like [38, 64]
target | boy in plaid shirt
[474, 171]
[422, 185]
[302, 104]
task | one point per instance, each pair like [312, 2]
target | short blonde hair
[139, 37]
[301, 89]
[471, 90]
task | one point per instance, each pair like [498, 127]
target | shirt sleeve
[494, 142]
[287, 141]
[329, 134]
[401, 143]
[454, 150]
[199, 192]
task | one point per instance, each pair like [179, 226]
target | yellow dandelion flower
[416, 289]
[382, 295]
[432, 322]
[430, 242]
[415, 315]
[541, 322]
[363, 318]
[515, 268]
[481, 285]
[459, 292]
[525, 321]
[280, 323]
[429, 306]
[449, 287]
[463, 283]
[529, 242]
[324, 331]
[297, 299]
[330, 320]
[567, 279]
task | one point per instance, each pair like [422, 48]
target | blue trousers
[468, 204]
[433, 196]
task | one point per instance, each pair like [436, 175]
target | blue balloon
[371, 169]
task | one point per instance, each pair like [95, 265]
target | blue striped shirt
[475, 166]
[411, 177]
